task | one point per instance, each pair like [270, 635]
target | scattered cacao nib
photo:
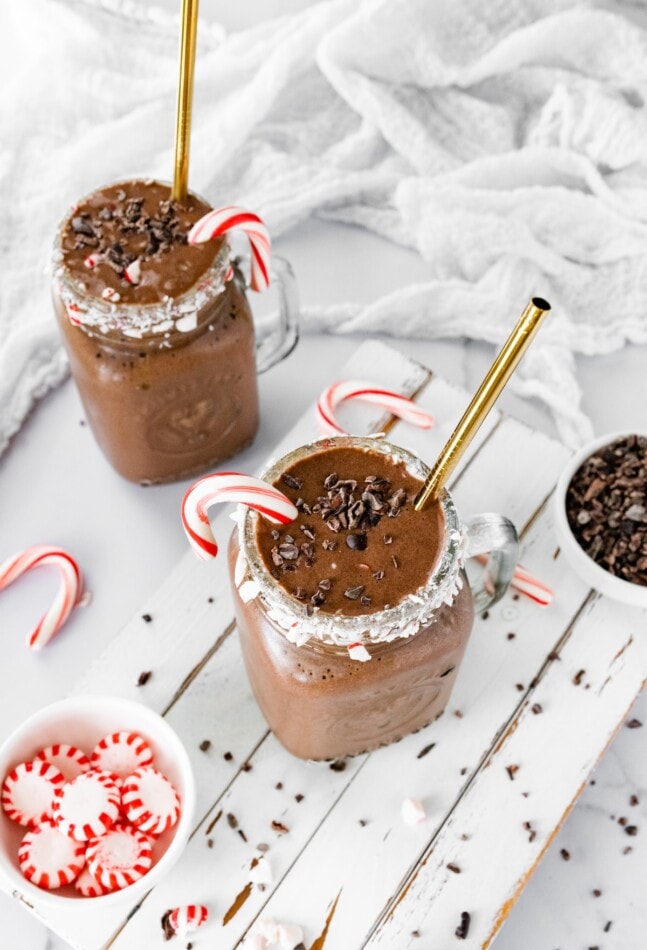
[280, 827]
[606, 507]
[146, 618]
[298, 798]
[553, 655]
[427, 748]
[365, 600]
[317, 598]
[378, 575]
[275, 535]
[227, 756]
[363, 822]
[232, 821]
[205, 745]
[512, 771]
[246, 767]
[623, 821]
[262, 847]
[144, 677]
[463, 928]
[577, 679]
[519, 687]
[537, 708]
[396, 563]
[511, 636]
[634, 724]
[532, 834]
[597, 892]
[631, 830]
[291, 481]
[634, 800]
[485, 614]
[458, 714]
[329, 544]
[454, 868]
[415, 933]
[338, 765]
[210, 842]
[607, 926]
[388, 539]
[165, 923]
[308, 531]
[565, 854]
[325, 583]
[627, 850]
[278, 786]
[242, 835]
[81, 224]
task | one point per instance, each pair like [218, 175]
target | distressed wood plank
[500, 828]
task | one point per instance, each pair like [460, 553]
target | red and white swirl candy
[231, 218]
[223, 487]
[185, 920]
[401, 406]
[67, 597]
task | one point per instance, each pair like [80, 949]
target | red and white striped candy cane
[225, 487]
[68, 595]
[527, 584]
[524, 582]
[398, 405]
[222, 220]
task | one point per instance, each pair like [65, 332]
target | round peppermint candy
[150, 801]
[185, 920]
[86, 807]
[49, 859]
[88, 886]
[121, 753]
[70, 761]
[120, 857]
[28, 792]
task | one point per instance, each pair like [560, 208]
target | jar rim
[404, 619]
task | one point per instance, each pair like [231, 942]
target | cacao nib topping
[291, 481]
[353, 593]
[606, 507]
[357, 542]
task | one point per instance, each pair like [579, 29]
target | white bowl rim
[22, 888]
[608, 584]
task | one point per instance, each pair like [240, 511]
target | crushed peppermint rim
[300, 622]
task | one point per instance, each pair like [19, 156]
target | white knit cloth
[506, 141]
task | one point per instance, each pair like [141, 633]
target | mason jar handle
[495, 537]
[281, 341]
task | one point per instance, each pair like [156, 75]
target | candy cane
[527, 584]
[398, 405]
[524, 582]
[67, 597]
[222, 220]
[224, 487]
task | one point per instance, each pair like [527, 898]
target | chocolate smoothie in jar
[159, 332]
[353, 619]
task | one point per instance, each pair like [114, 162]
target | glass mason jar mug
[169, 387]
[321, 703]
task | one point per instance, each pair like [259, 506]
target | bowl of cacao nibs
[601, 515]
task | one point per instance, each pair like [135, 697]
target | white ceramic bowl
[83, 721]
[590, 572]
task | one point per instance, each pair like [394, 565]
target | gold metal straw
[489, 391]
[185, 99]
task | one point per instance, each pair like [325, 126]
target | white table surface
[55, 487]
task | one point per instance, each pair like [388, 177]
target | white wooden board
[348, 870]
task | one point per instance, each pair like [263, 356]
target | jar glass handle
[492, 538]
[283, 337]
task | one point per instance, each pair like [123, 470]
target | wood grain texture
[496, 774]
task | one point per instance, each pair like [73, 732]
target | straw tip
[540, 303]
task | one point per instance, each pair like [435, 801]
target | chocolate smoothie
[358, 553]
[158, 332]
